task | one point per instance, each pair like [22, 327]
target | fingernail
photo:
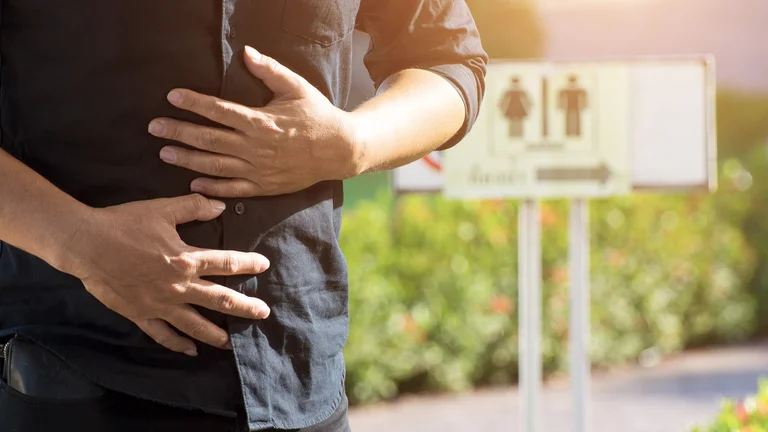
[218, 205]
[156, 128]
[191, 352]
[228, 345]
[168, 155]
[174, 97]
[252, 53]
[264, 313]
[264, 265]
[197, 187]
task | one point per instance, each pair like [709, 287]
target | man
[226, 309]
[573, 100]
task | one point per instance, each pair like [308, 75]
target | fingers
[164, 335]
[226, 301]
[189, 321]
[206, 138]
[207, 163]
[224, 112]
[190, 208]
[281, 80]
[234, 188]
[228, 263]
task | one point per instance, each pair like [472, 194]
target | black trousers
[116, 412]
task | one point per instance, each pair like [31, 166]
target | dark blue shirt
[81, 79]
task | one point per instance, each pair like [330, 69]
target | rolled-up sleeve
[434, 35]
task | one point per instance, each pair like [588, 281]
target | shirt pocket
[324, 22]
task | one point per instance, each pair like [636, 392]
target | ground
[671, 397]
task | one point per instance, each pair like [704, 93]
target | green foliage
[510, 29]
[752, 175]
[741, 122]
[749, 415]
[434, 285]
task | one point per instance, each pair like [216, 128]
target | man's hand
[131, 258]
[297, 140]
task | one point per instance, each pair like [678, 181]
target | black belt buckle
[34, 371]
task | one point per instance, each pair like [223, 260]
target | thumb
[281, 80]
[189, 208]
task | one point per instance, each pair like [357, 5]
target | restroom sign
[547, 130]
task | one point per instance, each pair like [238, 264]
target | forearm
[414, 113]
[34, 215]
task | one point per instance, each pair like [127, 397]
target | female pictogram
[515, 105]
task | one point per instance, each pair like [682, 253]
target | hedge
[434, 285]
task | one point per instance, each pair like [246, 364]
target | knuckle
[196, 329]
[209, 140]
[271, 127]
[198, 202]
[218, 166]
[184, 264]
[232, 264]
[178, 289]
[163, 340]
[237, 190]
[213, 188]
[175, 132]
[214, 111]
[226, 303]
[266, 125]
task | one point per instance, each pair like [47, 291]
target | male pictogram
[573, 100]
[515, 106]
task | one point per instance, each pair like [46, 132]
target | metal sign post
[578, 245]
[529, 299]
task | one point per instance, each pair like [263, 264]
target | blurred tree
[510, 29]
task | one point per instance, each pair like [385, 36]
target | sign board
[546, 131]
[587, 129]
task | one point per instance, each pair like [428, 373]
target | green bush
[753, 175]
[748, 415]
[434, 285]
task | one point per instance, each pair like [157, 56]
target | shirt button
[240, 208]
[232, 34]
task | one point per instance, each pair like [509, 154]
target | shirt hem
[222, 413]
[259, 426]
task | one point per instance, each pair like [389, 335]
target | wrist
[358, 145]
[68, 248]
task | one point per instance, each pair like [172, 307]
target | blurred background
[679, 281]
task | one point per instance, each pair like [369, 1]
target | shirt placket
[240, 226]
[235, 216]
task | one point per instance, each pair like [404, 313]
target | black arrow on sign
[599, 173]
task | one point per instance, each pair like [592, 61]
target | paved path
[671, 397]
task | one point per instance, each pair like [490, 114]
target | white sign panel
[585, 129]
[673, 125]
